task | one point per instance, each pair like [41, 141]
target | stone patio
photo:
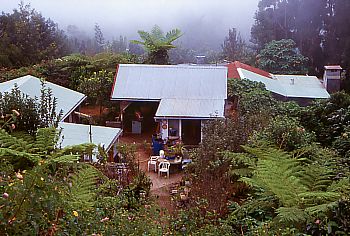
[161, 185]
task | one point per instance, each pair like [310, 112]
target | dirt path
[161, 185]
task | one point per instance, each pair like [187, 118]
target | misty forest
[273, 159]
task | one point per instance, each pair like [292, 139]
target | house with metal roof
[74, 134]
[67, 99]
[300, 88]
[180, 97]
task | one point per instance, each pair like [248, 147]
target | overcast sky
[202, 21]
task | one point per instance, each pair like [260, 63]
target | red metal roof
[233, 73]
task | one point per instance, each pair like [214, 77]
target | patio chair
[162, 154]
[152, 161]
[164, 167]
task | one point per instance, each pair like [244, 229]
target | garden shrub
[33, 113]
[286, 133]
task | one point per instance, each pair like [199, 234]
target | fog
[205, 23]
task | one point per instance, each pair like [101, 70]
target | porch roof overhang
[191, 108]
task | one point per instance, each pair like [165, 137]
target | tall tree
[99, 39]
[282, 57]
[157, 44]
[26, 37]
[319, 28]
[120, 45]
[270, 22]
[234, 47]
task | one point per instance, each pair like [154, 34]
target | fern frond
[313, 210]
[82, 193]
[173, 35]
[316, 177]
[291, 214]
[13, 154]
[243, 172]
[9, 141]
[65, 159]
[137, 42]
[319, 197]
[276, 172]
[24, 136]
[250, 182]
[81, 149]
[45, 141]
[157, 33]
[342, 186]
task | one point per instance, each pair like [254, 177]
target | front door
[191, 132]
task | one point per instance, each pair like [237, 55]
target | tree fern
[13, 155]
[275, 172]
[242, 164]
[81, 149]
[9, 141]
[45, 140]
[65, 159]
[302, 190]
[291, 214]
[314, 210]
[82, 194]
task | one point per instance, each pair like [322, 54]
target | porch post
[180, 129]
[201, 130]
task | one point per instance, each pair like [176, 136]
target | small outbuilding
[75, 134]
[67, 100]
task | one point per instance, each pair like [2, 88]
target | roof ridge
[238, 64]
[176, 66]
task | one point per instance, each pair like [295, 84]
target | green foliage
[58, 195]
[33, 114]
[304, 192]
[252, 98]
[68, 71]
[329, 118]
[157, 44]
[308, 23]
[97, 86]
[286, 133]
[235, 48]
[281, 57]
[82, 193]
[27, 38]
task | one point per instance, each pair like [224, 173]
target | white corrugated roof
[67, 99]
[74, 134]
[156, 82]
[301, 86]
[191, 108]
[270, 84]
[293, 86]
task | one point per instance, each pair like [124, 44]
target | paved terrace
[161, 185]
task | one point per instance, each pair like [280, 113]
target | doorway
[140, 116]
[191, 132]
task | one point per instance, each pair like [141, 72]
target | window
[174, 126]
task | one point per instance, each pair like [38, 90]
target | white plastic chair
[164, 168]
[153, 161]
[162, 154]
